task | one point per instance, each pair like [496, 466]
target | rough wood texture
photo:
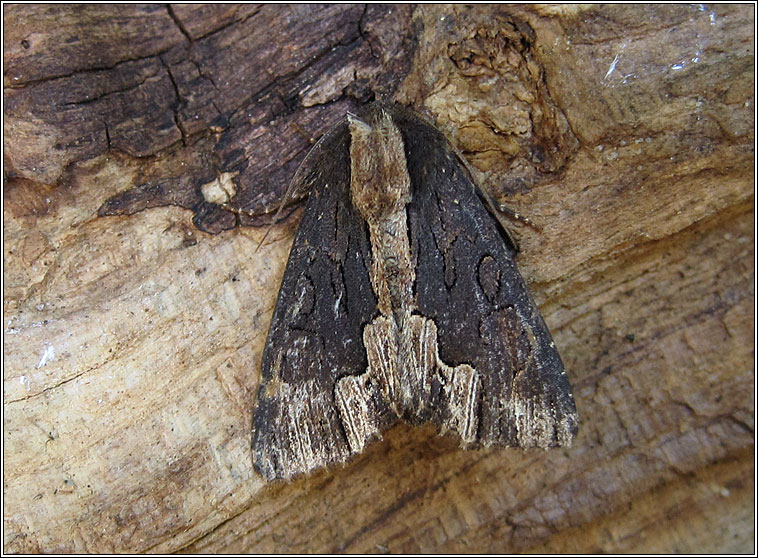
[133, 336]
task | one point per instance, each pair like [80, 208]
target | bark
[136, 307]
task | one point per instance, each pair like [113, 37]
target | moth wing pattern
[315, 335]
[497, 376]
[469, 286]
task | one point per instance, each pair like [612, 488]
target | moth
[401, 301]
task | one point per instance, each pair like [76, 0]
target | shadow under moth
[401, 300]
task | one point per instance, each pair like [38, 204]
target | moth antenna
[495, 208]
[250, 213]
[288, 195]
[265, 235]
[237, 210]
[273, 222]
[310, 139]
[518, 217]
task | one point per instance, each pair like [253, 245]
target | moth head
[379, 181]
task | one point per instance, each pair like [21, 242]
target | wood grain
[136, 308]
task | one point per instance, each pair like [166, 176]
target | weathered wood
[133, 337]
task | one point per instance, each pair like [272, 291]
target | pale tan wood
[132, 343]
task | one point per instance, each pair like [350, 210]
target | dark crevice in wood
[178, 22]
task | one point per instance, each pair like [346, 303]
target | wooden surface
[136, 309]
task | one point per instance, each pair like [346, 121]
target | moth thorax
[379, 181]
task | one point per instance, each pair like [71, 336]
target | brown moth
[401, 300]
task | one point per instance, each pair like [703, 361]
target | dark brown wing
[468, 283]
[316, 331]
